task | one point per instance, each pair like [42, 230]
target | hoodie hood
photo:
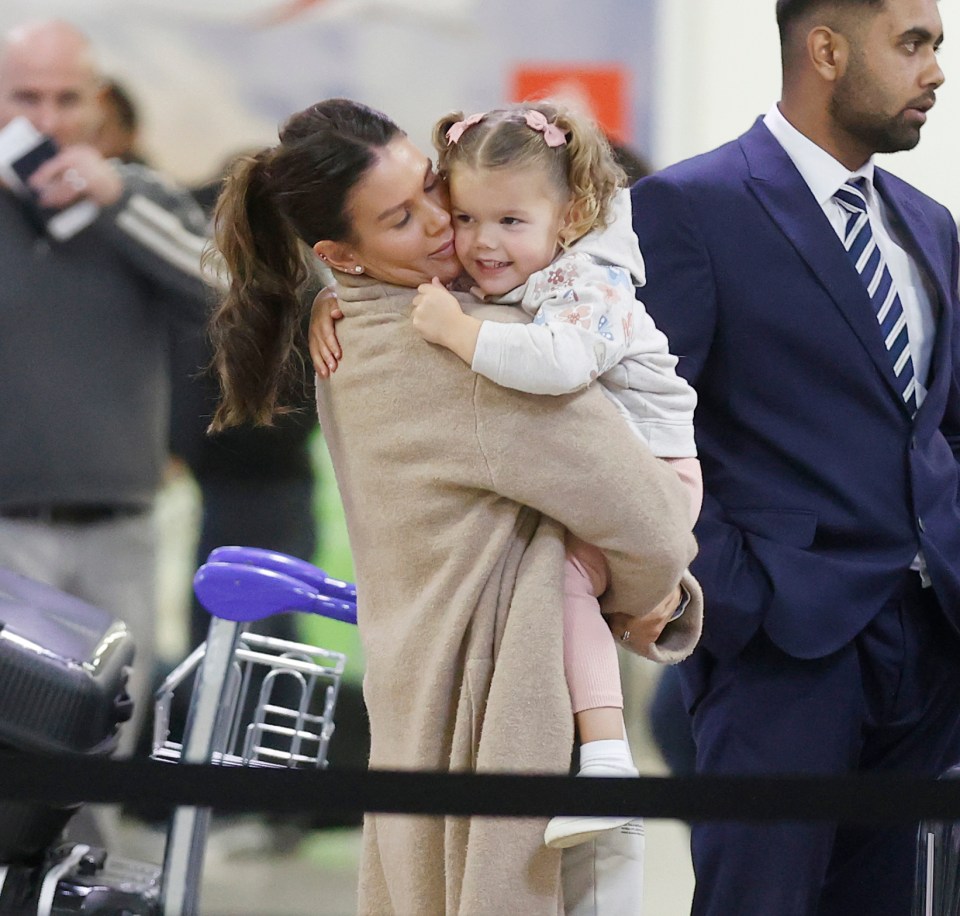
[616, 243]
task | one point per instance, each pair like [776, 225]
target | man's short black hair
[790, 11]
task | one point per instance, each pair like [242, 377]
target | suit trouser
[888, 702]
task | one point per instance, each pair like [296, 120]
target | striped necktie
[862, 247]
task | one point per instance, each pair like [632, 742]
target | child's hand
[435, 312]
[438, 318]
[324, 346]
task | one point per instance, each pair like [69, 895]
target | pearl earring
[358, 269]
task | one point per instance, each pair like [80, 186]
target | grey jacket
[84, 330]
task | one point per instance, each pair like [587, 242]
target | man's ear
[337, 254]
[828, 51]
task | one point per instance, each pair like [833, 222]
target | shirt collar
[823, 174]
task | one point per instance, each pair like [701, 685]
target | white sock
[610, 757]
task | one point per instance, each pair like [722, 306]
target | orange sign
[601, 91]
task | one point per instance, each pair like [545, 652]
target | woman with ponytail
[456, 491]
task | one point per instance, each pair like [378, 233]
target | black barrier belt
[864, 799]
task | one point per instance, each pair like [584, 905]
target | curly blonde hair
[584, 167]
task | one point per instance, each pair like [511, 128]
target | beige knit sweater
[456, 493]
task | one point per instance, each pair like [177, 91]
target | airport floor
[252, 869]
[244, 876]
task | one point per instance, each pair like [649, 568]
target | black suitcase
[78, 879]
[63, 673]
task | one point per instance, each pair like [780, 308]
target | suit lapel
[920, 236]
[782, 192]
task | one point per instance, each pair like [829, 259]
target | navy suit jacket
[820, 488]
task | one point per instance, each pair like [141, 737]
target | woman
[456, 493]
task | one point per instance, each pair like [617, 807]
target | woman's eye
[404, 221]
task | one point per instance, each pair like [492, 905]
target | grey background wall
[215, 76]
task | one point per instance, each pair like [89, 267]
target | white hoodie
[587, 325]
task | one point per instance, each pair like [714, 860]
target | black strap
[865, 799]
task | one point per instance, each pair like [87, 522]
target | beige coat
[450, 486]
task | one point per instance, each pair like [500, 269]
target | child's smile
[507, 223]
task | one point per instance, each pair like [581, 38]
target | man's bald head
[48, 74]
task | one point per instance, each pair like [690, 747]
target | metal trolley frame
[238, 585]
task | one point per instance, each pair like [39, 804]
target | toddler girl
[542, 221]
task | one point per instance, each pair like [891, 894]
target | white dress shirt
[824, 176]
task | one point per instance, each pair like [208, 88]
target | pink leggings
[589, 648]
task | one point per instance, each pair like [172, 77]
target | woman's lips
[444, 251]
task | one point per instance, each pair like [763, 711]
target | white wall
[718, 67]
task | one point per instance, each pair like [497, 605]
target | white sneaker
[573, 829]
[605, 877]
[568, 830]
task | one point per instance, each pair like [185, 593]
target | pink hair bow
[552, 135]
[455, 131]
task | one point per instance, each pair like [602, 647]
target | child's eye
[462, 218]
[511, 221]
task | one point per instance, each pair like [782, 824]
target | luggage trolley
[238, 585]
[64, 666]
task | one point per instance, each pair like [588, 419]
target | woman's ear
[337, 255]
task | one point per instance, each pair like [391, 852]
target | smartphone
[23, 149]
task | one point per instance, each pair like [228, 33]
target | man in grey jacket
[84, 328]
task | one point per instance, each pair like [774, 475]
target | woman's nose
[438, 219]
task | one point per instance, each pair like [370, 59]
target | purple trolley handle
[290, 566]
[242, 593]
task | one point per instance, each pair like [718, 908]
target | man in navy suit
[812, 300]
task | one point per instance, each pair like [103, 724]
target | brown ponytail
[254, 328]
[273, 208]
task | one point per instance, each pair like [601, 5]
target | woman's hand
[324, 347]
[438, 318]
[635, 632]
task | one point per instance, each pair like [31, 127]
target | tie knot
[852, 195]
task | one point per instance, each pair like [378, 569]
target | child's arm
[581, 329]
[438, 318]
[325, 349]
